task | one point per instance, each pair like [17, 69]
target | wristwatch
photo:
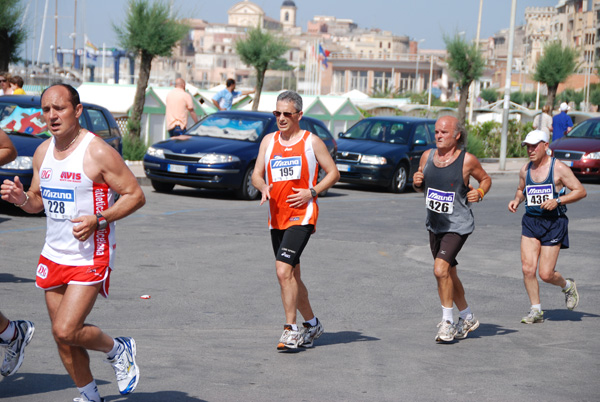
[313, 192]
[102, 222]
[558, 201]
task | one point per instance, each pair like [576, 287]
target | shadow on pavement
[333, 338]
[162, 396]
[5, 278]
[32, 383]
[490, 330]
[566, 315]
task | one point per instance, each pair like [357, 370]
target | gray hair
[460, 129]
[292, 97]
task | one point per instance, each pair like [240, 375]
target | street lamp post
[416, 89]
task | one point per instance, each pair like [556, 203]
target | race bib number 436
[283, 169]
[59, 203]
[537, 194]
[439, 201]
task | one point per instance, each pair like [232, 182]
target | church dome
[288, 3]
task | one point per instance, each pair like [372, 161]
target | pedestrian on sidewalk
[443, 176]
[545, 231]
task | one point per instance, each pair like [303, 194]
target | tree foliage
[12, 35]
[571, 95]
[489, 95]
[555, 66]
[259, 49]
[149, 31]
[466, 65]
[595, 97]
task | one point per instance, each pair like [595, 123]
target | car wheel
[320, 177]
[399, 179]
[162, 187]
[247, 191]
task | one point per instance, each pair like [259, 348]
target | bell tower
[288, 14]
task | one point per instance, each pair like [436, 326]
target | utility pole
[507, 85]
[472, 89]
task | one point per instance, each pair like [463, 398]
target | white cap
[535, 137]
[564, 107]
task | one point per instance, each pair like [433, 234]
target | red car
[580, 149]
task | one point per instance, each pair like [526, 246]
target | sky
[418, 19]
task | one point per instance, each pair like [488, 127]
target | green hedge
[485, 139]
[134, 149]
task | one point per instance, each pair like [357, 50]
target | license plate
[177, 168]
[343, 167]
[568, 163]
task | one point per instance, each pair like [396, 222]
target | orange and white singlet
[286, 167]
[68, 193]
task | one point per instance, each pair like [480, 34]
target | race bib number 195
[441, 202]
[283, 169]
[59, 203]
[537, 194]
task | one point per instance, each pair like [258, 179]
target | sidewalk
[490, 165]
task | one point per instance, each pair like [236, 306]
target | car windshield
[22, 119]
[587, 129]
[242, 128]
[382, 131]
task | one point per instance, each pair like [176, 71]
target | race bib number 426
[537, 194]
[283, 169]
[59, 203]
[439, 201]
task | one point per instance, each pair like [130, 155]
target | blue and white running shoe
[126, 370]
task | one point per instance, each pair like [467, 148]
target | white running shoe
[311, 333]
[290, 339]
[465, 326]
[15, 350]
[126, 370]
[80, 399]
[446, 332]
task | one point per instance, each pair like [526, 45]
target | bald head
[454, 125]
[180, 83]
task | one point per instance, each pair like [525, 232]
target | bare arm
[303, 195]
[419, 177]
[563, 176]
[8, 153]
[193, 115]
[519, 196]
[258, 176]
[216, 104]
[474, 169]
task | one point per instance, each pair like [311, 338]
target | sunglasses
[277, 113]
[2, 80]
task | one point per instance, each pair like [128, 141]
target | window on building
[339, 81]
[358, 80]
[287, 16]
[382, 80]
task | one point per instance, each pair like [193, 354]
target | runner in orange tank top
[286, 175]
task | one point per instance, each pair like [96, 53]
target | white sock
[466, 314]
[312, 322]
[294, 327]
[536, 306]
[90, 392]
[114, 351]
[567, 286]
[9, 333]
[447, 314]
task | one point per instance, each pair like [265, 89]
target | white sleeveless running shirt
[68, 193]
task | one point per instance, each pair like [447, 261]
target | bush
[134, 148]
[489, 95]
[488, 136]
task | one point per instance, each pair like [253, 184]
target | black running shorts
[288, 244]
[549, 231]
[446, 246]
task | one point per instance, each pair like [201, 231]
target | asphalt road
[210, 328]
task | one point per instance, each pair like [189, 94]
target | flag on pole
[90, 49]
[323, 55]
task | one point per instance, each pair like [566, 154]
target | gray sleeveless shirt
[446, 198]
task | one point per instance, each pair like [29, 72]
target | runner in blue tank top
[544, 225]
[443, 176]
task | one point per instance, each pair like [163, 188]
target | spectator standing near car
[223, 99]
[5, 83]
[179, 105]
[286, 173]
[16, 85]
[543, 121]
[561, 123]
[544, 225]
[14, 335]
[76, 176]
[443, 176]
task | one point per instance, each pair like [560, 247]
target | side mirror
[419, 142]
[340, 135]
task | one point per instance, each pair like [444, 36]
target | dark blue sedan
[21, 118]
[384, 151]
[219, 152]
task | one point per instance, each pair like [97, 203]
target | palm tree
[149, 31]
[554, 67]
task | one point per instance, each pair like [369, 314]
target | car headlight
[20, 163]
[218, 158]
[156, 152]
[373, 160]
[592, 155]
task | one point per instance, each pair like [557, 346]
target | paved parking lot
[210, 328]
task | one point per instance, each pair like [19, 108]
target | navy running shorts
[446, 246]
[288, 244]
[552, 231]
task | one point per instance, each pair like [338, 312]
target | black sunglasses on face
[277, 113]
[2, 80]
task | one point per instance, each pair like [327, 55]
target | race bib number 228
[59, 203]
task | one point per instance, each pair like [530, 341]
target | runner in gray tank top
[443, 176]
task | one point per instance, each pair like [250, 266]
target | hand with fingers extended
[12, 191]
